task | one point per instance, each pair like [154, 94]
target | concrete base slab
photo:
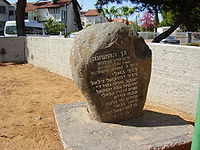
[151, 131]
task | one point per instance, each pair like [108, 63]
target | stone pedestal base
[151, 131]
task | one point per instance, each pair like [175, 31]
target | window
[11, 13]
[34, 30]
[54, 10]
[11, 30]
[2, 9]
[29, 30]
[63, 14]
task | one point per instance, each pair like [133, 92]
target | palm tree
[126, 11]
[110, 13]
[115, 12]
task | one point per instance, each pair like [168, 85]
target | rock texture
[111, 65]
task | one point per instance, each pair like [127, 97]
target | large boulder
[112, 66]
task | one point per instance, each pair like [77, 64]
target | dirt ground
[27, 97]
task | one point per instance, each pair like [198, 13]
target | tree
[168, 18]
[156, 19]
[55, 1]
[110, 13]
[183, 7]
[20, 13]
[115, 12]
[126, 11]
[54, 27]
[106, 12]
[148, 22]
[191, 22]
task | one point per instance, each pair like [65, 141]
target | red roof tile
[31, 7]
[122, 20]
[45, 4]
[50, 5]
[90, 12]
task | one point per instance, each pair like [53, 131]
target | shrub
[54, 27]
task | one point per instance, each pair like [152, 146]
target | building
[6, 13]
[122, 20]
[63, 11]
[91, 16]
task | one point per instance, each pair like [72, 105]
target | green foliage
[193, 44]
[110, 13]
[88, 25]
[190, 23]
[55, 1]
[54, 27]
[168, 18]
[126, 11]
[136, 27]
[183, 10]
[67, 34]
[118, 12]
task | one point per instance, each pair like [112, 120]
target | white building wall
[32, 15]
[93, 20]
[12, 17]
[71, 25]
[4, 17]
[54, 16]
[42, 14]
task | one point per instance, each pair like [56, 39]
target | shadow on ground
[154, 119]
[10, 64]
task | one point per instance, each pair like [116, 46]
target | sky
[89, 4]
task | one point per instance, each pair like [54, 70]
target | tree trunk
[77, 15]
[185, 11]
[20, 13]
[165, 34]
[156, 19]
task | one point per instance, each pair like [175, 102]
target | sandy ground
[27, 97]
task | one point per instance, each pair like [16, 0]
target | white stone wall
[175, 78]
[50, 53]
[14, 48]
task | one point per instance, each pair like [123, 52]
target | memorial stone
[111, 65]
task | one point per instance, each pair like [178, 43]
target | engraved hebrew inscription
[117, 81]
